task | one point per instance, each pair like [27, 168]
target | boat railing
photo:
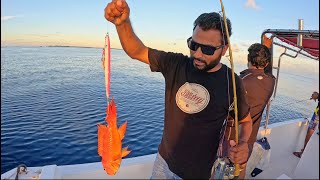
[298, 48]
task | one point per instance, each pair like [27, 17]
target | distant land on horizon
[77, 46]
[61, 46]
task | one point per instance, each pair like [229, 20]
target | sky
[161, 24]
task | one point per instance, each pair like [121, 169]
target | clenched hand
[117, 12]
[239, 153]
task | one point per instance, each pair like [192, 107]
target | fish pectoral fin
[125, 152]
[122, 130]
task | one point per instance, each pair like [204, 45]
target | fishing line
[106, 63]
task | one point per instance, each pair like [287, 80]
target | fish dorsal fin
[122, 130]
[125, 152]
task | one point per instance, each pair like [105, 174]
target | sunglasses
[205, 49]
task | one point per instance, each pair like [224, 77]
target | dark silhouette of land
[77, 46]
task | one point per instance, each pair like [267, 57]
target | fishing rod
[237, 167]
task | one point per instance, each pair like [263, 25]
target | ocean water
[52, 99]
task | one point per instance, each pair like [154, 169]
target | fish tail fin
[111, 112]
[122, 130]
[125, 152]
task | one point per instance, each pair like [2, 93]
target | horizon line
[56, 46]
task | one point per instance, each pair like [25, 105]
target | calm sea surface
[52, 99]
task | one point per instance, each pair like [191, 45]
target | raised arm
[118, 13]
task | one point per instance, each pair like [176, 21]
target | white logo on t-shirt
[192, 98]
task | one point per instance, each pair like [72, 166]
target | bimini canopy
[304, 42]
[310, 40]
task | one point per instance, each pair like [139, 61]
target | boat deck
[283, 162]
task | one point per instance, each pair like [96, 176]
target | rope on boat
[21, 168]
[23, 173]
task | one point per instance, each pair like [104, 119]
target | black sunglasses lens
[208, 50]
[194, 46]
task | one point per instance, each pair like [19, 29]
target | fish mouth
[112, 168]
[110, 172]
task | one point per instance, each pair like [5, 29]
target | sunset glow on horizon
[163, 24]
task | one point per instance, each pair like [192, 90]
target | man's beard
[206, 67]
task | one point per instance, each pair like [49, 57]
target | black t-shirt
[196, 105]
[259, 87]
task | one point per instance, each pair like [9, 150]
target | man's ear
[224, 50]
[266, 65]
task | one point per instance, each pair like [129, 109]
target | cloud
[252, 4]
[245, 44]
[56, 34]
[6, 18]
[279, 49]
[37, 35]
[235, 48]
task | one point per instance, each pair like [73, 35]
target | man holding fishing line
[198, 96]
[313, 123]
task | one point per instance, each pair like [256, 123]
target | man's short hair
[259, 55]
[213, 20]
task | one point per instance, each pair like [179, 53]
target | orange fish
[109, 141]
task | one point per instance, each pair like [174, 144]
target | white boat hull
[284, 138]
